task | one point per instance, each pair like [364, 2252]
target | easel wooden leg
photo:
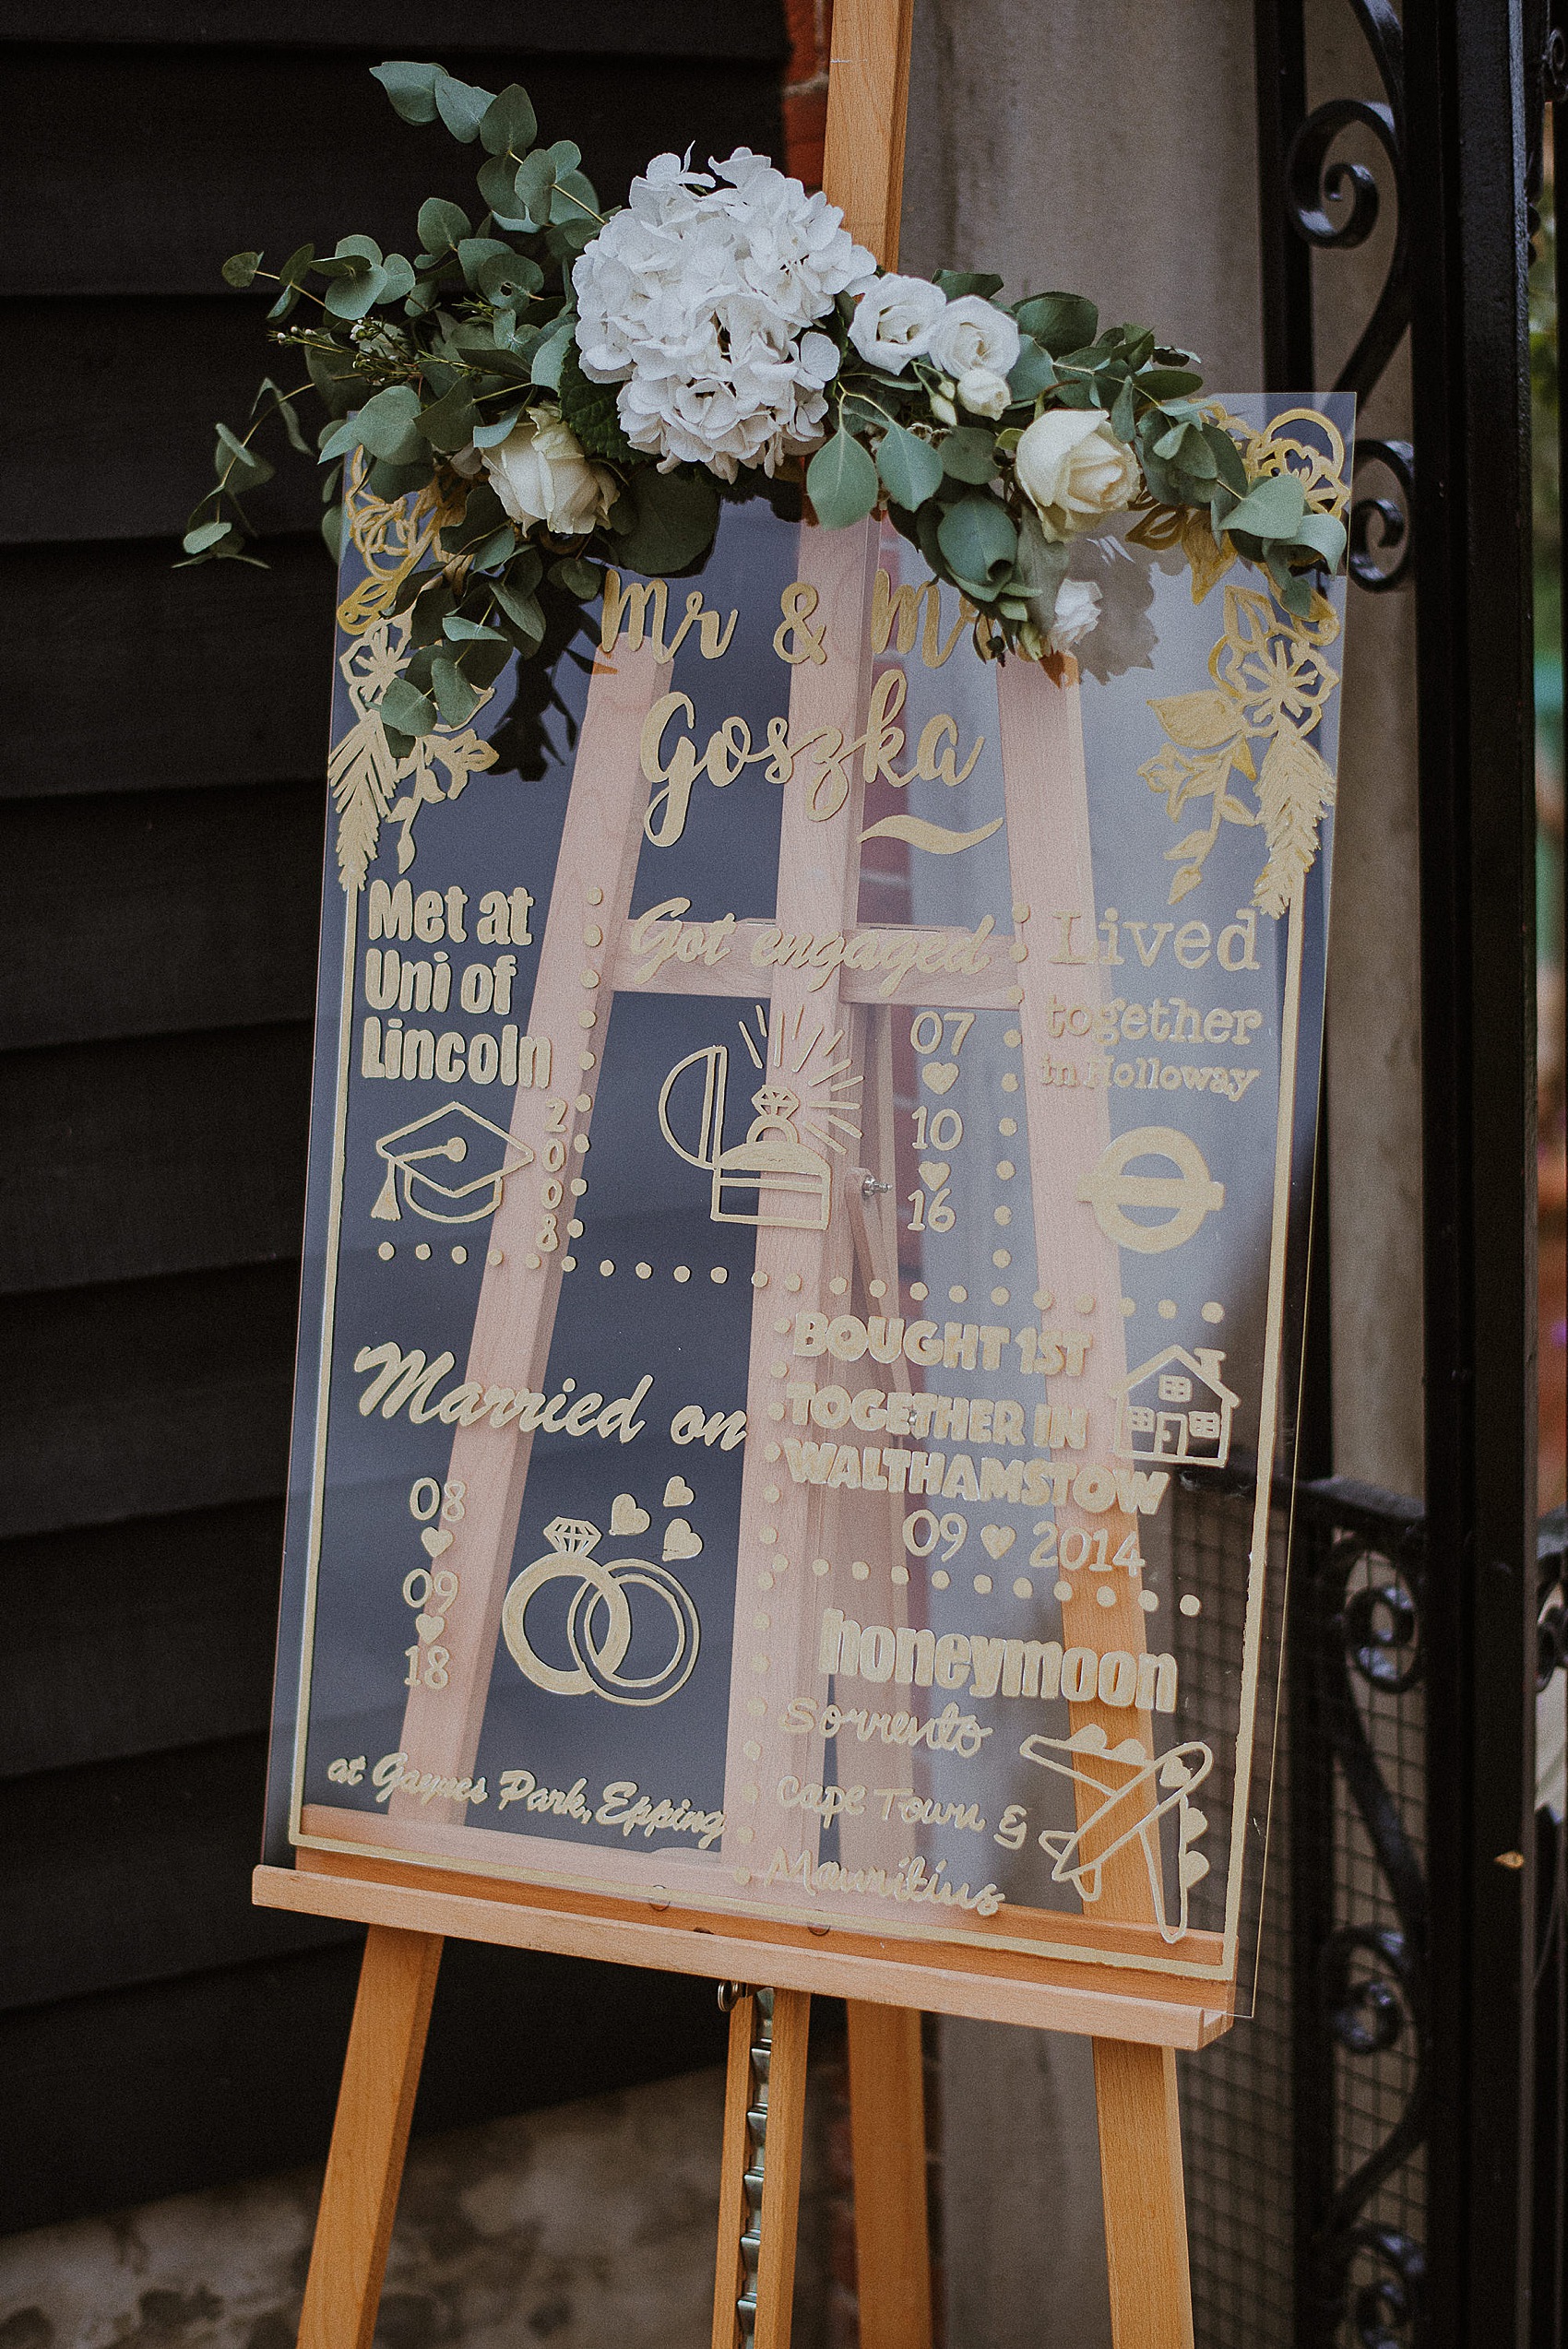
[370, 2137]
[888, 2139]
[759, 2195]
[1146, 2209]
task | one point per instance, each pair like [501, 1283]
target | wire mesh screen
[1305, 2179]
[1235, 2099]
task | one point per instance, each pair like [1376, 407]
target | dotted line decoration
[423, 1253]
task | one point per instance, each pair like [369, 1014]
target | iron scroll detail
[1333, 204]
[1363, 1992]
[1380, 527]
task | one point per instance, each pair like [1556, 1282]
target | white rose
[973, 333]
[892, 323]
[983, 392]
[541, 474]
[1077, 612]
[1074, 470]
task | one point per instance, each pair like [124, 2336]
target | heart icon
[941, 1075]
[436, 1541]
[625, 1517]
[430, 1627]
[934, 1173]
[998, 1539]
[678, 1494]
[680, 1541]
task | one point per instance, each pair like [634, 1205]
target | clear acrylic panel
[812, 1142]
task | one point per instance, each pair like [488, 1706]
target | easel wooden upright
[1140, 2140]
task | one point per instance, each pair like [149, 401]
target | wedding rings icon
[599, 1620]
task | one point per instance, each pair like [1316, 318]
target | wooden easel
[1136, 2089]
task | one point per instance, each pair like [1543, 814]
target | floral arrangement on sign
[565, 389]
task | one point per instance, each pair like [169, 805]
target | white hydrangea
[698, 300]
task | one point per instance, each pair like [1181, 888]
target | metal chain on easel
[756, 2145]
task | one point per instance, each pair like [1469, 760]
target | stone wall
[591, 2226]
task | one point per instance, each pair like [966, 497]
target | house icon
[1176, 1407]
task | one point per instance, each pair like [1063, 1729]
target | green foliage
[550, 356]
[421, 365]
[591, 411]
[1038, 571]
[291, 278]
[672, 519]
[969, 454]
[410, 88]
[955, 283]
[979, 541]
[1059, 322]
[524, 610]
[238, 466]
[509, 122]
[1272, 509]
[441, 225]
[389, 425]
[1032, 371]
[450, 422]
[911, 469]
[205, 536]
[841, 481]
[461, 106]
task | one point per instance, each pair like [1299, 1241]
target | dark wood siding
[161, 829]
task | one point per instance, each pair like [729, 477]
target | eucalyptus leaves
[565, 391]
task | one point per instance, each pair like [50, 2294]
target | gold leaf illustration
[391, 538]
[1190, 846]
[462, 754]
[1200, 721]
[1187, 527]
[362, 772]
[1206, 560]
[1184, 775]
[1272, 678]
[1159, 528]
[1314, 452]
[1295, 791]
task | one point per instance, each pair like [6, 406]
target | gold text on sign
[828, 752]
[642, 608]
[661, 936]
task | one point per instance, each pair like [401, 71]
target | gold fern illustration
[361, 776]
[1295, 791]
[362, 773]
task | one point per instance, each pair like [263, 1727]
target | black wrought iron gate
[1425, 1894]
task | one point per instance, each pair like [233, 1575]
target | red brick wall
[809, 26]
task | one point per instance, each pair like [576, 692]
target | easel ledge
[984, 1986]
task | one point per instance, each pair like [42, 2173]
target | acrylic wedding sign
[807, 1185]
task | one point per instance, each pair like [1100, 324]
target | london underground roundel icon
[1189, 1193]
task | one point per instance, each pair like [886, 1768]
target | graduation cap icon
[480, 1157]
